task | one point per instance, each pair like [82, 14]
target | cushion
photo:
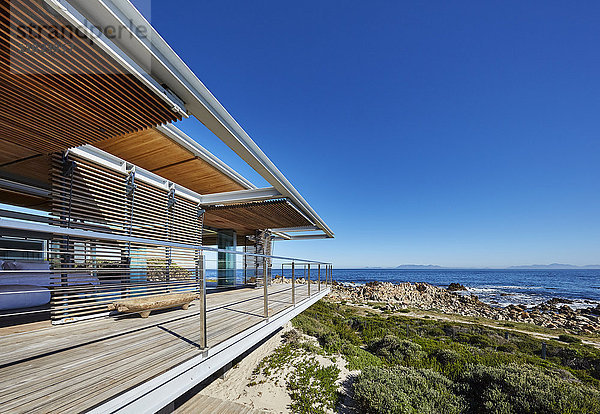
[39, 275]
[22, 296]
[9, 265]
[75, 279]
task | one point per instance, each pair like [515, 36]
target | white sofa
[25, 284]
[22, 289]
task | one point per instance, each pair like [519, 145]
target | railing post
[293, 286]
[256, 271]
[202, 288]
[319, 278]
[308, 280]
[282, 273]
[245, 268]
[265, 288]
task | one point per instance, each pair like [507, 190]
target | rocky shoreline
[554, 314]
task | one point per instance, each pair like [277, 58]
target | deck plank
[205, 404]
[74, 367]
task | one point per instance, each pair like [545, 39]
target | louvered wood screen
[60, 90]
[89, 273]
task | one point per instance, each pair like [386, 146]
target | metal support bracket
[68, 166]
[172, 200]
[130, 185]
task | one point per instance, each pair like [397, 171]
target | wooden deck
[204, 404]
[79, 366]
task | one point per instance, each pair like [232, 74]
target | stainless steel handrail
[64, 231]
[42, 227]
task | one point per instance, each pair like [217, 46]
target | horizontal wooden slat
[71, 95]
[95, 197]
[248, 217]
[154, 151]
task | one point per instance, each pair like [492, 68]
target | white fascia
[293, 229]
[170, 70]
[115, 163]
[301, 237]
[241, 196]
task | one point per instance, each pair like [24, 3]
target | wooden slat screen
[247, 218]
[88, 274]
[69, 95]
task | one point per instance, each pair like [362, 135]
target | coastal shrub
[274, 362]
[515, 388]
[331, 342]
[400, 390]
[313, 322]
[396, 350]
[568, 338]
[358, 358]
[447, 356]
[292, 336]
[475, 344]
[480, 341]
[434, 331]
[313, 388]
[583, 360]
[373, 328]
[508, 347]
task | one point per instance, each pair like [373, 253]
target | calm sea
[496, 287]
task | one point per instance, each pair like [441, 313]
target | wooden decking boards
[204, 404]
[74, 367]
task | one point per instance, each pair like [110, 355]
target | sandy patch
[268, 397]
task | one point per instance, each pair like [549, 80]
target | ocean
[495, 287]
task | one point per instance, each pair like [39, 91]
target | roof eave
[170, 70]
[198, 150]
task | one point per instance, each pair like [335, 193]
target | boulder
[455, 287]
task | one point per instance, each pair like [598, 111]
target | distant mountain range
[415, 267]
[554, 266]
[551, 266]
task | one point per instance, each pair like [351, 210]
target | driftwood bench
[146, 304]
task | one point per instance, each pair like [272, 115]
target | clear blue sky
[450, 133]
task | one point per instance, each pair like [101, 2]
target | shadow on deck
[130, 364]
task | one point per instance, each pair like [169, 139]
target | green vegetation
[310, 385]
[406, 390]
[569, 338]
[525, 388]
[412, 365]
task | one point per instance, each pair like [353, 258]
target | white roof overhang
[174, 79]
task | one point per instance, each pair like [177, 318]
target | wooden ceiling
[246, 218]
[154, 151]
[69, 95]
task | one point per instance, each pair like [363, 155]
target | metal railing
[87, 270]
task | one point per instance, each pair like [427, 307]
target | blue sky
[450, 133]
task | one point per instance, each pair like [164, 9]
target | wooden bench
[146, 304]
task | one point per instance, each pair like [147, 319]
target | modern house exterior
[109, 211]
